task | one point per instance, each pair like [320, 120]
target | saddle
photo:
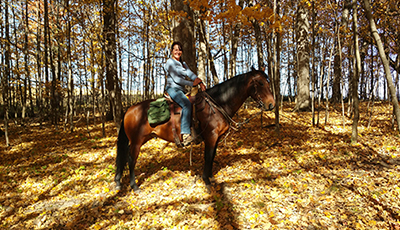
[175, 111]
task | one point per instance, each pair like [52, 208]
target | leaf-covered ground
[305, 178]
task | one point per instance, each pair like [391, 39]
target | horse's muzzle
[270, 106]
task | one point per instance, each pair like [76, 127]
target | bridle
[236, 125]
[257, 96]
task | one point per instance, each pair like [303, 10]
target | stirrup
[186, 140]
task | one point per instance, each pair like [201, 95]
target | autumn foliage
[302, 178]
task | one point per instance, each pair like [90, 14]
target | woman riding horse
[177, 71]
[214, 112]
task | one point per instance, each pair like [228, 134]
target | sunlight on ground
[308, 177]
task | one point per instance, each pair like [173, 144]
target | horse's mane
[224, 91]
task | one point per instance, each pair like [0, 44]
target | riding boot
[186, 139]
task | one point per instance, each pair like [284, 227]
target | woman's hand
[197, 81]
[202, 86]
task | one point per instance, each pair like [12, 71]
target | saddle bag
[158, 112]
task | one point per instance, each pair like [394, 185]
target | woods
[69, 70]
[64, 59]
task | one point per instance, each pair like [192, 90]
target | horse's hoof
[135, 188]
[118, 187]
[208, 187]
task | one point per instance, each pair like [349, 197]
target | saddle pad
[158, 112]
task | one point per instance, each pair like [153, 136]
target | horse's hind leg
[135, 149]
[119, 171]
[122, 158]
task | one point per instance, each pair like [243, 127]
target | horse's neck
[232, 99]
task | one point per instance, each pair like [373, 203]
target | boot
[186, 139]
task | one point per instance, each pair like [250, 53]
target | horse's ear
[252, 68]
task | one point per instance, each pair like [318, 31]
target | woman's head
[176, 50]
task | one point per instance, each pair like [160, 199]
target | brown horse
[214, 108]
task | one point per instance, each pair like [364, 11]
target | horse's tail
[122, 153]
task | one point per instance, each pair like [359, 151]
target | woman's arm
[189, 73]
[177, 72]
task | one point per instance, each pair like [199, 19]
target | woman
[177, 71]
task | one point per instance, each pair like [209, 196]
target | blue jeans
[179, 97]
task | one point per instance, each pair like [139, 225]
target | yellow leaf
[327, 214]
[372, 222]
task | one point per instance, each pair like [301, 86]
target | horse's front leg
[209, 154]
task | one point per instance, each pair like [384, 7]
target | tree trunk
[93, 80]
[46, 53]
[6, 76]
[277, 75]
[183, 31]
[303, 58]
[328, 77]
[18, 94]
[259, 47]
[202, 51]
[112, 82]
[234, 45]
[39, 101]
[356, 75]
[207, 56]
[103, 94]
[385, 61]
[54, 95]
[321, 78]
[337, 67]
[70, 85]
[313, 63]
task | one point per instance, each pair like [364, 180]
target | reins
[237, 125]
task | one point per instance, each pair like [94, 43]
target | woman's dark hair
[180, 48]
[176, 43]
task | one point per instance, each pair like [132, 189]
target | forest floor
[304, 178]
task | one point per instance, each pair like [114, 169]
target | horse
[213, 108]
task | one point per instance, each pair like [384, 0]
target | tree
[234, 43]
[113, 84]
[336, 94]
[303, 57]
[70, 82]
[183, 31]
[385, 61]
[7, 72]
[26, 57]
[52, 42]
[356, 75]
[277, 73]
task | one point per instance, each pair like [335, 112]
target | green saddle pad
[158, 112]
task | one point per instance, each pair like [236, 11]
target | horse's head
[260, 90]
